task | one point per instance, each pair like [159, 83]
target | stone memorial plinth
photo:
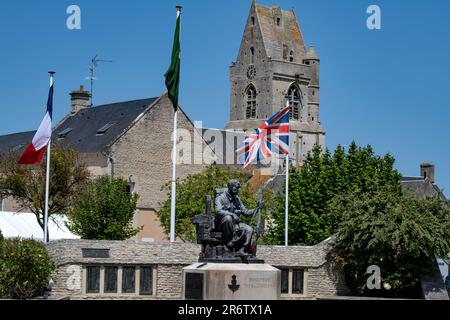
[231, 281]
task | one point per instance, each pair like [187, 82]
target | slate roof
[85, 125]
[15, 141]
[420, 187]
[87, 122]
[413, 179]
[274, 36]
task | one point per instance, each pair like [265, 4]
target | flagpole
[286, 218]
[286, 204]
[174, 165]
[174, 179]
[47, 176]
[47, 183]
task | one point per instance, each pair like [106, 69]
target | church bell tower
[273, 65]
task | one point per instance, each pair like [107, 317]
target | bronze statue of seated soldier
[225, 238]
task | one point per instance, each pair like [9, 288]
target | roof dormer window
[64, 133]
[105, 128]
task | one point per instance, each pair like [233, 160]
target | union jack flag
[271, 137]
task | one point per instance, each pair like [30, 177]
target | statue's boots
[241, 253]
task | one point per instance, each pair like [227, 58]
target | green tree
[104, 210]
[398, 233]
[191, 198]
[25, 268]
[26, 183]
[314, 185]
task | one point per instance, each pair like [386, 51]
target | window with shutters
[293, 95]
[251, 102]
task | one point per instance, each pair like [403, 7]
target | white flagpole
[47, 184]
[286, 204]
[174, 166]
[174, 179]
[286, 218]
[47, 177]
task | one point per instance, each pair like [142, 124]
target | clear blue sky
[388, 88]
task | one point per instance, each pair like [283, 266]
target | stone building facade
[273, 65]
[138, 270]
[132, 140]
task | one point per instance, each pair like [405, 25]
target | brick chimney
[79, 100]
[427, 171]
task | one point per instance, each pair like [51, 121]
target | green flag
[173, 73]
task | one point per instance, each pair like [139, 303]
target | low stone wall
[167, 261]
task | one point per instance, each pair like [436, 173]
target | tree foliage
[398, 233]
[25, 268]
[104, 210]
[26, 183]
[314, 185]
[191, 198]
[357, 196]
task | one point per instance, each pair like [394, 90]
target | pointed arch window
[252, 55]
[293, 96]
[251, 102]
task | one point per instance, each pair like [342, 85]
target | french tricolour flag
[34, 152]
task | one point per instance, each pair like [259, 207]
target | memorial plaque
[284, 280]
[146, 281]
[111, 279]
[95, 253]
[93, 279]
[231, 281]
[297, 281]
[128, 279]
[194, 286]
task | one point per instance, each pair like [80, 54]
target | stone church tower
[273, 64]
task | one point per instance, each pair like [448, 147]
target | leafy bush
[400, 234]
[104, 210]
[191, 198]
[25, 268]
[26, 184]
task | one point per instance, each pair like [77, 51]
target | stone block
[231, 281]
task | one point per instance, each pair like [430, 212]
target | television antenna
[94, 64]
